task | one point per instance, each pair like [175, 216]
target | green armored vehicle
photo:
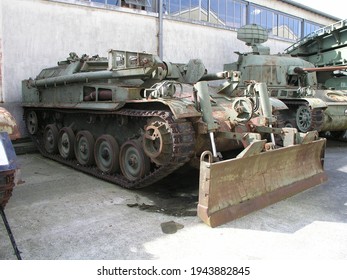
[326, 48]
[133, 119]
[292, 80]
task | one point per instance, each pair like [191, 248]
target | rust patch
[233, 188]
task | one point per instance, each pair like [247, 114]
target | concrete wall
[36, 33]
[215, 46]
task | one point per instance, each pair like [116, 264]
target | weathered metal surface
[134, 119]
[8, 124]
[8, 168]
[6, 186]
[233, 188]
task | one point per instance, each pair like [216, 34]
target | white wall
[36, 34]
[183, 40]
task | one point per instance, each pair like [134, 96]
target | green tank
[133, 119]
[292, 80]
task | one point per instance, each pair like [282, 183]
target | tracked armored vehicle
[133, 119]
[292, 80]
[326, 49]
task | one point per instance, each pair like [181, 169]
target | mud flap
[230, 189]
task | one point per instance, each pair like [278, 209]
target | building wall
[215, 46]
[36, 33]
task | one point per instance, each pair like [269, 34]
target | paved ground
[59, 213]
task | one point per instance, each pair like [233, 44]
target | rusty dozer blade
[230, 189]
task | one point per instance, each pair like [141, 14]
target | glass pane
[230, 13]
[214, 6]
[144, 3]
[185, 8]
[194, 3]
[112, 2]
[222, 11]
[243, 15]
[280, 26]
[255, 15]
[174, 7]
[185, 4]
[297, 29]
[204, 4]
[204, 10]
[274, 26]
[263, 19]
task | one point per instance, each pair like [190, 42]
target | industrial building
[35, 34]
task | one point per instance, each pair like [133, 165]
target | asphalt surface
[58, 213]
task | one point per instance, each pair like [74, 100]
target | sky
[335, 8]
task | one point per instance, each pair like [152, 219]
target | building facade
[37, 33]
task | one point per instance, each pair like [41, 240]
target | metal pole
[160, 30]
[9, 232]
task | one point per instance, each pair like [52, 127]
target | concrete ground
[59, 213]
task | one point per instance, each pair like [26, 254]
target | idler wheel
[106, 153]
[32, 122]
[134, 163]
[66, 142]
[50, 138]
[84, 147]
[157, 141]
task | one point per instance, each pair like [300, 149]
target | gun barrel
[215, 76]
[78, 77]
[300, 70]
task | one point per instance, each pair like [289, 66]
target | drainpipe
[160, 29]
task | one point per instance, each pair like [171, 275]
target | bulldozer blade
[233, 188]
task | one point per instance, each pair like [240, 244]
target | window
[310, 27]
[276, 23]
[229, 13]
[109, 2]
[143, 3]
[225, 12]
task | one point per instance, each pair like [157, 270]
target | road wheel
[84, 147]
[133, 161]
[50, 138]
[106, 153]
[66, 142]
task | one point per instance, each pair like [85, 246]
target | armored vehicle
[292, 80]
[133, 119]
[326, 48]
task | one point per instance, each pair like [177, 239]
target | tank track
[316, 113]
[183, 148]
